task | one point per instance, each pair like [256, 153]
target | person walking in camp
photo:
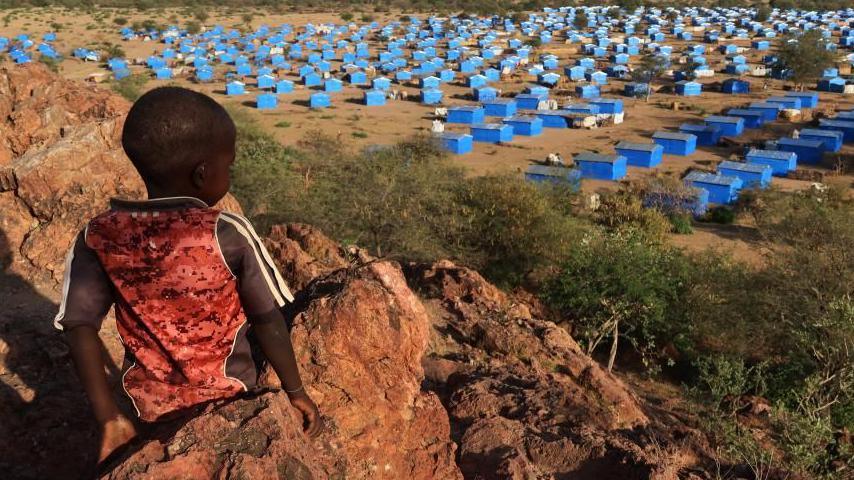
[188, 281]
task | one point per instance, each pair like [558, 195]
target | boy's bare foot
[115, 432]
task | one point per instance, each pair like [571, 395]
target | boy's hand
[115, 433]
[312, 424]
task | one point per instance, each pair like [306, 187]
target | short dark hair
[170, 130]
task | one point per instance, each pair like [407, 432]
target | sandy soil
[361, 126]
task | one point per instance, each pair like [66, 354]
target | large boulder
[526, 402]
[359, 334]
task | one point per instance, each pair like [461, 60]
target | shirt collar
[164, 203]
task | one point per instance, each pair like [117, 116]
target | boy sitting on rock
[187, 281]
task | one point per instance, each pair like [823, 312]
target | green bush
[193, 27]
[681, 223]
[347, 16]
[720, 214]
[624, 212]
[261, 170]
[130, 87]
[120, 21]
[511, 229]
[623, 284]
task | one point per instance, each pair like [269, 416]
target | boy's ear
[200, 175]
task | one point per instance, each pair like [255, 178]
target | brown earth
[360, 126]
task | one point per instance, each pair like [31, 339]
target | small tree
[193, 27]
[763, 12]
[580, 21]
[806, 56]
[650, 68]
[201, 15]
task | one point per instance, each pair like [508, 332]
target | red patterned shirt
[187, 282]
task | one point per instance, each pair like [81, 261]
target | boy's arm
[115, 429]
[86, 297]
[263, 293]
[275, 342]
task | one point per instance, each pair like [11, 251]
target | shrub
[120, 21]
[282, 124]
[681, 223]
[720, 214]
[130, 87]
[511, 229]
[359, 134]
[52, 64]
[620, 286]
[193, 27]
[261, 174]
[624, 212]
[347, 16]
[367, 18]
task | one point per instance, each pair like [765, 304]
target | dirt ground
[361, 126]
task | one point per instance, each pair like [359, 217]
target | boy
[187, 281]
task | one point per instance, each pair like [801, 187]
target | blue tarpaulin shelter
[722, 189]
[641, 154]
[676, 143]
[601, 167]
[781, 162]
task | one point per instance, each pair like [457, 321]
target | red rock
[359, 339]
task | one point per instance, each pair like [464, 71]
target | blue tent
[601, 167]
[374, 98]
[752, 175]
[832, 139]
[529, 101]
[770, 111]
[722, 189]
[467, 114]
[500, 107]
[641, 154]
[781, 162]
[234, 88]
[676, 143]
[689, 89]
[525, 125]
[431, 96]
[457, 143]
[752, 118]
[333, 85]
[809, 151]
[284, 86]
[266, 101]
[492, 133]
[735, 86]
[730, 126]
[808, 99]
[319, 100]
[844, 126]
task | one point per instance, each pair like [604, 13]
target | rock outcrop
[359, 335]
[523, 398]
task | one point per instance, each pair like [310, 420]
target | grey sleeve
[87, 293]
[263, 291]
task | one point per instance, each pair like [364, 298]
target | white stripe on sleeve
[240, 228]
[280, 282]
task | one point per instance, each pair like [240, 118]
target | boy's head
[181, 143]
